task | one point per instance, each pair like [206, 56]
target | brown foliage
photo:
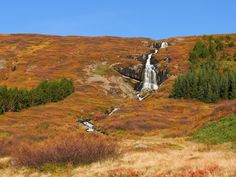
[4, 147]
[209, 171]
[40, 57]
[74, 149]
[123, 172]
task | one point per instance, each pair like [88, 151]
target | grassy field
[218, 132]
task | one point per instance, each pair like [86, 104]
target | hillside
[91, 63]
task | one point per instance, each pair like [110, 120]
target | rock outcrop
[133, 72]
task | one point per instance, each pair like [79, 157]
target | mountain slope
[27, 60]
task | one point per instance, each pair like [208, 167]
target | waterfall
[164, 44]
[150, 75]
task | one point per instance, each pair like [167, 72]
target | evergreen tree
[14, 99]
[206, 81]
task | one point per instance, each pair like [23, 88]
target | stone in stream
[88, 126]
[140, 146]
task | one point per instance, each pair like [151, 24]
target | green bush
[219, 44]
[13, 99]
[231, 44]
[199, 52]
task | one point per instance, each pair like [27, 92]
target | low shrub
[6, 145]
[100, 116]
[73, 149]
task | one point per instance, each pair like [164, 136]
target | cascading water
[150, 76]
[164, 44]
[150, 80]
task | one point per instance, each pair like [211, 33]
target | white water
[89, 127]
[114, 110]
[150, 76]
[164, 44]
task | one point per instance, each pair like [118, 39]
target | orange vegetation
[74, 149]
[26, 60]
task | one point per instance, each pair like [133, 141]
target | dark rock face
[156, 45]
[136, 57]
[162, 75]
[137, 71]
[134, 72]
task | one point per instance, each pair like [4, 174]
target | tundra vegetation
[49, 137]
[73, 149]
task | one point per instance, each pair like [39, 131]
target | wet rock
[156, 45]
[88, 125]
[162, 75]
[134, 72]
[136, 57]
[150, 73]
[140, 146]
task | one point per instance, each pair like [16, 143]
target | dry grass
[74, 149]
[159, 158]
[193, 159]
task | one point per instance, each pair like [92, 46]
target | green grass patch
[100, 69]
[218, 132]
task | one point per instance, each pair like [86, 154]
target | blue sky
[129, 18]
